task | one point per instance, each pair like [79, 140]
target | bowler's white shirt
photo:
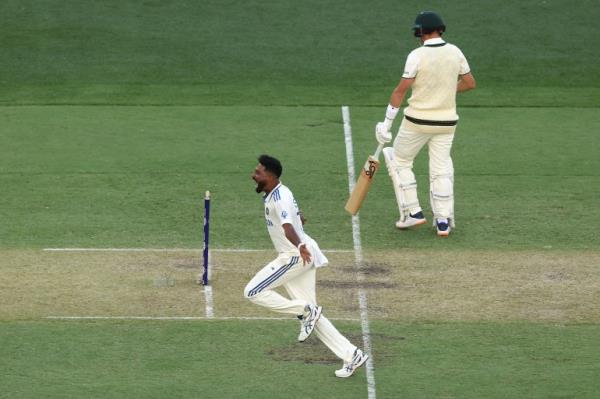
[281, 208]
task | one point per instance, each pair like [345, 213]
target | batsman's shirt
[281, 208]
[435, 68]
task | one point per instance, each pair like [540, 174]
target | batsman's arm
[400, 91]
[465, 82]
[382, 129]
[292, 236]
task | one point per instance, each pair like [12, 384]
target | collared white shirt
[281, 208]
[435, 68]
[412, 61]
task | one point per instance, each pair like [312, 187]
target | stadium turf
[116, 116]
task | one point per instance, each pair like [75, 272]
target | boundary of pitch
[225, 250]
[182, 318]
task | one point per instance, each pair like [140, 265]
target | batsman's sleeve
[464, 64]
[411, 66]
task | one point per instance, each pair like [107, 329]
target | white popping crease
[358, 259]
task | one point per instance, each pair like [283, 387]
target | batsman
[434, 73]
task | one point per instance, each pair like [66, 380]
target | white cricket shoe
[442, 227]
[358, 359]
[309, 321]
[412, 221]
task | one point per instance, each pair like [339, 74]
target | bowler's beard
[260, 187]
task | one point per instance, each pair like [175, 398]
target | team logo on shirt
[284, 215]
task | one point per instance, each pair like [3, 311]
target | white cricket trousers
[407, 145]
[300, 283]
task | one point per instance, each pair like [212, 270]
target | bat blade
[362, 186]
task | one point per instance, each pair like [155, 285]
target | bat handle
[378, 151]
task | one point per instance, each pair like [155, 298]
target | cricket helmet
[428, 22]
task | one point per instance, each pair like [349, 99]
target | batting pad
[405, 185]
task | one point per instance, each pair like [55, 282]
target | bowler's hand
[305, 254]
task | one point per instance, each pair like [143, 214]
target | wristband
[391, 112]
[301, 244]
[387, 123]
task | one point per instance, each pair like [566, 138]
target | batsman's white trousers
[407, 145]
[299, 281]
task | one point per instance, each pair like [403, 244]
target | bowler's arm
[292, 236]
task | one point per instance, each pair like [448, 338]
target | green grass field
[116, 116]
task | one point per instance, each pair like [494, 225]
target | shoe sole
[319, 311]
[420, 222]
[364, 359]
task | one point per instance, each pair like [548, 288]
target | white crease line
[224, 250]
[179, 318]
[208, 300]
[362, 295]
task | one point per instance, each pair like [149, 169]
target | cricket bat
[363, 184]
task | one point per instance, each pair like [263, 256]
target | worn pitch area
[537, 286]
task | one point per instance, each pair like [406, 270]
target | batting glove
[382, 132]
